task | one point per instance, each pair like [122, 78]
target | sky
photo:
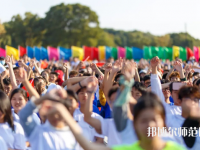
[158, 17]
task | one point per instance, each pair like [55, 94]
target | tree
[106, 39]
[4, 39]
[27, 31]
[71, 25]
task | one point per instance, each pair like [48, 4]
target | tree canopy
[76, 24]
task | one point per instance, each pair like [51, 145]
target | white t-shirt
[13, 139]
[3, 144]
[34, 116]
[157, 89]
[109, 130]
[88, 131]
[2, 68]
[46, 137]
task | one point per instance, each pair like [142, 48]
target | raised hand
[66, 66]
[93, 66]
[178, 66]
[117, 66]
[108, 67]
[154, 62]
[92, 85]
[21, 75]
[8, 61]
[129, 71]
[87, 80]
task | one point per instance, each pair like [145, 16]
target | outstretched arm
[91, 88]
[11, 72]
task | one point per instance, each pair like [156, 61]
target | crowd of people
[115, 105]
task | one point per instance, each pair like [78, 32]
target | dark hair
[15, 68]
[25, 55]
[198, 82]
[80, 90]
[166, 70]
[195, 73]
[112, 91]
[147, 77]
[87, 74]
[19, 90]
[54, 73]
[164, 76]
[37, 84]
[7, 81]
[195, 80]
[148, 101]
[72, 94]
[73, 73]
[35, 71]
[44, 71]
[171, 87]
[174, 74]
[5, 108]
[140, 87]
[188, 91]
[2, 58]
[118, 76]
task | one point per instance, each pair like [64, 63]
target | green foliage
[76, 24]
[140, 39]
[4, 38]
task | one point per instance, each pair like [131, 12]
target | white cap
[142, 71]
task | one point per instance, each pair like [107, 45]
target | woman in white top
[18, 99]
[10, 131]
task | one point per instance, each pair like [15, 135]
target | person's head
[32, 75]
[73, 73]
[5, 110]
[40, 84]
[174, 76]
[166, 68]
[56, 119]
[2, 61]
[36, 74]
[148, 112]
[47, 70]
[89, 69]
[166, 93]
[189, 97]
[73, 99]
[25, 58]
[82, 95]
[16, 71]
[18, 99]
[147, 80]
[174, 87]
[112, 93]
[45, 75]
[53, 77]
[138, 90]
[142, 73]
[7, 85]
[196, 75]
[189, 78]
